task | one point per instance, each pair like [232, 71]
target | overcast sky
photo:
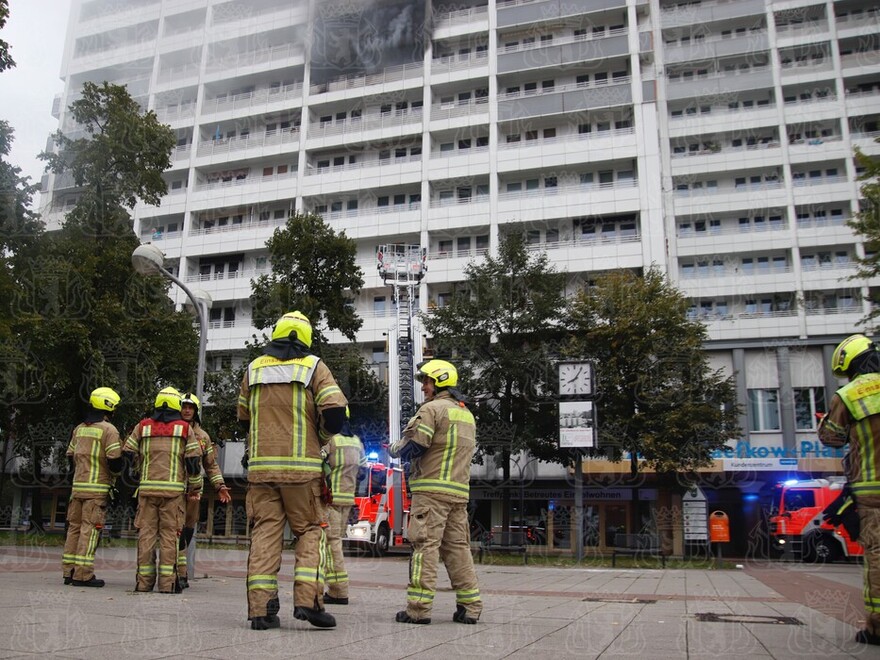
[35, 32]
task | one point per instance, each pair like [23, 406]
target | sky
[35, 33]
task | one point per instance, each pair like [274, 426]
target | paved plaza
[765, 610]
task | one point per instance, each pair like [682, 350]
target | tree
[501, 330]
[867, 223]
[314, 270]
[82, 318]
[6, 61]
[658, 398]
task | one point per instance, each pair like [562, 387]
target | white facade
[712, 139]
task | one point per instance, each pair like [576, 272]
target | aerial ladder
[402, 267]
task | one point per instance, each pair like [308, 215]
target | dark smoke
[363, 37]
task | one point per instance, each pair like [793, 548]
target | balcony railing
[435, 155]
[456, 62]
[813, 181]
[459, 201]
[438, 255]
[567, 190]
[375, 162]
[238, 143]
[177, 112]
[733, 230]
[728, 190]
[561, 41]
[248, 180]
[250, 99]
[709, 272]
[729, 149]
[720, 110]
[828, 265]
[356, 81]
[234, 275]
[816, 223]
[460, 109]
[459, 15]
[840, 309]
[357, 124]
[603, 238]
[177, 72]
[556, 89]
[371, 210]
[250, 58]
[249, 224]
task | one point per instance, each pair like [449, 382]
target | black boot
[864, 637]
[184, 582]
[334, 600]
[92, 582]
[403, 617]
[271, 619]
[68, 579]
[318, 618]
[461, 615]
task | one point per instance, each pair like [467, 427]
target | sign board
[695, 511]
[759, 464]
[719, 527]
[577, 424]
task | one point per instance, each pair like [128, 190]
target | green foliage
[658, 397]
[867, 224]
[81, 317]
[315, 271]
[501, 329]
[6, 61]
[123, 155]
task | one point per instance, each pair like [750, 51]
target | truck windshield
[794, 499]
[374, 484]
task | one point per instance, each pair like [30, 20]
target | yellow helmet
[440, 371]
[847, 351]
[191, 398]
[293, 322]
[168, 397]
[104, 398]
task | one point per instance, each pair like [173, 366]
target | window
[379, 305]
[807, 402]
[796, 499]
[764, 410]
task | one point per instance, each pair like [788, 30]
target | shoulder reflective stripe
[146, 431]
[461, 415]
[113, 446]
[343, 441]
[177, 431]
[425, 429]
[89, 432]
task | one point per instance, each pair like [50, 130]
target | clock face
[575, 379]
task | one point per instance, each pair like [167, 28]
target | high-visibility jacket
[209, 462]
[445, 428]
[854, 417]
[282, 400]
[161, 448]
[345, 456]
[90, 446]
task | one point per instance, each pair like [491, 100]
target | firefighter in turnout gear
[439, 441]
[95, 456]
[854, 418]
[291, 405]
[190, 407]
[347, 462]
[167, 452]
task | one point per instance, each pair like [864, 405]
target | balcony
[562, 51]
[359, 81]
[366, 174]
[254, 57]
[770, 194]
[717, 46]
[570, 200]
[177, 74]
[518, 12]
[461, 18]
[568, 148]
[175, 113]
[239, 143]
[373, 162]
[467, 108]
[341, 132]
[372, 222]
[245, 181]
[565, 98]
[449, 63]
[721, 116]
[733, 239]
[250, 100]
[707, 12]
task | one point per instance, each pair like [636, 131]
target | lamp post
[150, 260]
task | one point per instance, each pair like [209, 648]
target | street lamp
[150, 260]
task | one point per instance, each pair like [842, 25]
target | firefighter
[439, 441]
[291, 405]
[167, 452]
[854, 418]
[95, 456]
[347, 463]
[189, 411]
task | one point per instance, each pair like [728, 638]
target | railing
[864, 58]
[728, 149]
[827, 99]
[732, 231]
[814, 141]
[181, 151]
[865, 135]
[605, 238]
[747, 187]
[377, 162]
[438, 255]
[234, 275]
[460, 109]
[436, 155]
[868, 17]
[830, 311]
[372, 210]
[154, 235]
[383, 120]
[460, 15]
[503, 4]
[455, 62]
[721, 110]
[825, 65]
[811, 223]
[815, 25]
[249, 99]
[214, 325]
[219, 18]
[355, 81]
[717, 75]
[812, 181]
[561, 41]
[250, 224]
[255, 57]
[169, 114]
[100, 52]
[709, 272]
[565, 190]
[167, 75]
[248, 180]
[830, 265]
[556, 89]
[269, 138]
[456, 201]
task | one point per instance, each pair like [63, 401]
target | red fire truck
[379, 517]
[798, 529]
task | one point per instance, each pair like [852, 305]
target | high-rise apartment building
[713, 139]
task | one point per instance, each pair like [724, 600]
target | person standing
[190, 409]
[439, 441]
[346, 459]
[95, 456]
[168, 452]
[854, 418]
[291, 405]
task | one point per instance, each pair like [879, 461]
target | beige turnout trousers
[158, 519]
[85, 518]
[438, 530]
[335, 573]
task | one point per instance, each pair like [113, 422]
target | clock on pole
[576, 379]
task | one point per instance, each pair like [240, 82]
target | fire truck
[798, 528]
[380, 516]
